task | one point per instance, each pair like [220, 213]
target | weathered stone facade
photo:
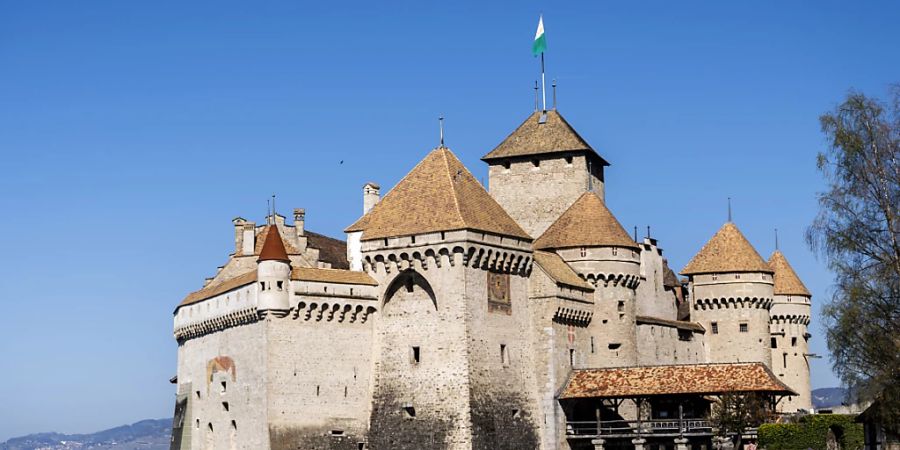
[456, 316]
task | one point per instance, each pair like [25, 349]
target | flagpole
[543, 83]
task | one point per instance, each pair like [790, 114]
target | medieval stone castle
[455, 317]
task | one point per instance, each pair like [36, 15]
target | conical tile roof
[727, 251]
[532, 137]
[273, 247]
[587, 223]
[439, 194]
[786, 280]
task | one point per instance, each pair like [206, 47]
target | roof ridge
[452, 181]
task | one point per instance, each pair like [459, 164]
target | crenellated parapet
[573, 316]
[338, 312]
[792, 319]
[630, 281]
[733, 303]
[214, 324]
[455, 248]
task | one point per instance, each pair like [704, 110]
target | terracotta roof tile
[339, 276]
[439, 194]
[559, 271]
[727, 251]
[786, 280]
[219, 288]
[261, 239]
[273, 247]
[535, 138]
[332, 251]
[697, 379]
[587, 223]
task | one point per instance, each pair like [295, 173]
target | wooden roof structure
[693, 379]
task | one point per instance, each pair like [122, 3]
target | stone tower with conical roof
[540, 169]
[274, 274]
[731, 288]
[790, 338]
[453, 269]
[593, 243]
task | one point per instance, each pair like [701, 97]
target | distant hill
[828, 397]
[143, 435]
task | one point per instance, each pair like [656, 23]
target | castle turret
[790, 339]
[273, 275]
[589, 238]
[731, 288]
[540, 169]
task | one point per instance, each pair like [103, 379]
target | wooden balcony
[636, 428]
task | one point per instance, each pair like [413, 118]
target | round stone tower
[273, 274]
[731, 288]
[790, 339]
[589, 238]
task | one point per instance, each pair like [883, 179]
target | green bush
[811, 432]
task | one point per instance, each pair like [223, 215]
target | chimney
[299, 221]
[371, 196]
[238, 234]
[248, 242]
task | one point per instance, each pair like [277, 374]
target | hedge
[811, 432]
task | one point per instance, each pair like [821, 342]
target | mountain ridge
[149, 434]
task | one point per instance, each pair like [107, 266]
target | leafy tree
[733, 413]
[857, 230]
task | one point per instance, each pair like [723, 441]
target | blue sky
[131, 133]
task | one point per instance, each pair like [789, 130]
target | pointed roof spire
[534, 137]
[727, 251]
[273, 247]
[786, 280]
[439, 194]
[587, 223]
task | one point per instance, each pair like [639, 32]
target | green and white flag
[540, 42]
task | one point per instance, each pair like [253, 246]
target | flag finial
[441, 125]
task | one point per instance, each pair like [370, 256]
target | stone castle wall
[790, 317]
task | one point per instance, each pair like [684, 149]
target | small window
[412, 239]
[345, 391]
[443, 235]
[415, 355]
[536, 162]
[621, 306]
[784, 359]
[614, 345]
[569, 160]
[504, 355]
[337, 432]
[209, 427]
[685, 335]
[225, 406]
[198, 394]
[615, 251]
[715, 277]
[743, 328]
[280, 285]
[592, 344]
[774, 343]
[715, 327]
[583, 252]
[351, 291]
[197, 424]
[793, 342]
[506, 165]
[233, 425]
[516, 413]
[737, 276]
[572, 357]
[318, 390]
[262, 285]
[409, 411]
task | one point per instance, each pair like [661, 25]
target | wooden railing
[575, 429]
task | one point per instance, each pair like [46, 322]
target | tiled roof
[339, 276]
[680, 324]
[587, 223]
[219, 288]
[697, 379]
[439, 194]
[727, 251]
[535, 138]
[786, 280]
[261, 239]
[559, 271]
[273, 247]
[332, 251]
[670, 279]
